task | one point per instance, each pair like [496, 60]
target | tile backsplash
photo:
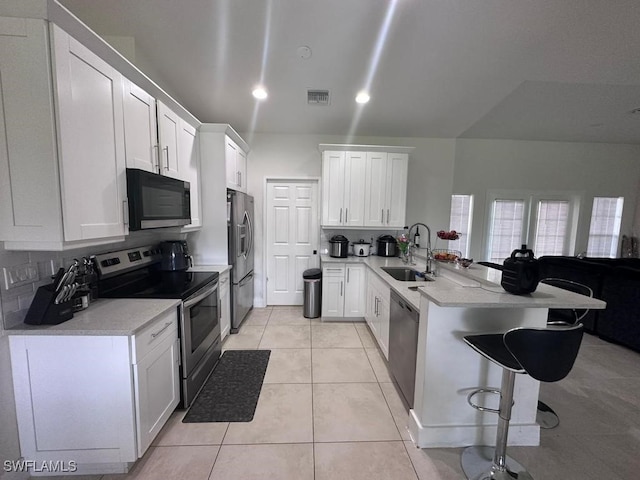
[15, 301]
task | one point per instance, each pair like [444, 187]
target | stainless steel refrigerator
[240, 235]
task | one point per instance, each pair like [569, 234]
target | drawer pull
[166, 325]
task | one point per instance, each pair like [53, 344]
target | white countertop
[105, 317]
[477, 287]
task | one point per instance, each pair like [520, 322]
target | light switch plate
[20, 275]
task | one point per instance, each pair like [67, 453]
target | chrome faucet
[431, 263]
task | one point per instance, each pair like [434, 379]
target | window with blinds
[460, 221]
[604, 229]
[552, 222]
[544, 221]
[506, 229]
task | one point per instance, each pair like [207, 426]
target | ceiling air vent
[318, 97]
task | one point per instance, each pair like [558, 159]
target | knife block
[44, 310]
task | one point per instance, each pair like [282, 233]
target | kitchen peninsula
[460, 302]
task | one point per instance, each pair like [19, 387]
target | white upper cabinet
[168, 141]
[140, 128]
[386, 197]
[364, 186]
[343, 186]
[235, 165]
[70, 125]
[62, 159]
[190, 170]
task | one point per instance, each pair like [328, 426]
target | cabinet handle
[341, 285]
[238, 179]
[166, 165]
[156, 167]
[166, 325]
[375, 308]
[346, 215]
[387, 215]
[382, 215]
[340, 215]
[348, 270]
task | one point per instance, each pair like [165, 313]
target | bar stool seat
[547, 355]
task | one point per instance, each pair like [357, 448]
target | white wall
[297, 156]
[594, 169]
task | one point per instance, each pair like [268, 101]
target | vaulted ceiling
[516, 69]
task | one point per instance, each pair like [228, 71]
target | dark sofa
[614, 280]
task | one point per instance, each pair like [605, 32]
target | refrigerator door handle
[246, 279]
[250, 227]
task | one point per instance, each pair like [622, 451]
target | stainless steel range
[136, 273]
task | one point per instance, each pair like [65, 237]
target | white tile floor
[328, 411]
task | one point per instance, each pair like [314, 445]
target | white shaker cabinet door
[140, 128]
[157, 390]
[396, 189]
[355, 291]
[189, 159]
[376, 188]
[168, 139]
[354, 188]
[91, 135]
[333, 198]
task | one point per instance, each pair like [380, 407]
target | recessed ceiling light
[362, 97]
[260, 93]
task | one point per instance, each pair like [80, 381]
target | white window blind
[460, 221]
[604, 229]
[552, 221]
[507, 223]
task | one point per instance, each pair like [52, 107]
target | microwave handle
[125, 211]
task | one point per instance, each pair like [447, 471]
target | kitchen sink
[406, 274]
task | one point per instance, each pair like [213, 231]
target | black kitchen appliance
[520, 272]
[387, 246]
[175, 255]
[157, 201]
[338, 246]
[136, 273]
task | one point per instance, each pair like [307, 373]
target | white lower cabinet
[378, 311]
[95, 400]
[225, 305]
[343, 290]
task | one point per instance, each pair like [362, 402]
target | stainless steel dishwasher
[403, 345]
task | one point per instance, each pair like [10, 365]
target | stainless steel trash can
[312, 292]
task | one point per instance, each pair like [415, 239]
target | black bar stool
[547, 417]
[546, 354]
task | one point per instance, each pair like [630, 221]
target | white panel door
[292, 238]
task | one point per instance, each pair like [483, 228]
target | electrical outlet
[20, 275]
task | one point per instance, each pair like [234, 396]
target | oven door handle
[201, 296]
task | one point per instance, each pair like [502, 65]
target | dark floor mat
[231, 392]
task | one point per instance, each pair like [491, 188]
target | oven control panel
[117, 262]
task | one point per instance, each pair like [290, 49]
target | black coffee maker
[175, 256]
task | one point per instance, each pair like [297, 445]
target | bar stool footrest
[478, 391]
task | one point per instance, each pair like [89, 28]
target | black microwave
[156, 201]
